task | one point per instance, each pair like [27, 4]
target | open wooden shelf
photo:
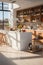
[33, 12]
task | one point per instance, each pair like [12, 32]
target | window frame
[3, 10]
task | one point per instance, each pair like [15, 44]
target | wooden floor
[9, 56]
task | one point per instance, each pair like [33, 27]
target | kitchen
[22, 19]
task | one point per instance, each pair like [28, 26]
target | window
[6, 17]
[4, 14]
[5, 6]
[1, 5]
[1, 20]
[1, 17]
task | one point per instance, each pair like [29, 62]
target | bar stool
[2, 38]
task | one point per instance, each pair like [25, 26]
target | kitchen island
[19, 40]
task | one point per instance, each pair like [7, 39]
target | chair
[2, 38]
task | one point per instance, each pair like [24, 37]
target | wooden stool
[2, 38]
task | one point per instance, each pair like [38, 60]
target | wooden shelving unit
[33, 12]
